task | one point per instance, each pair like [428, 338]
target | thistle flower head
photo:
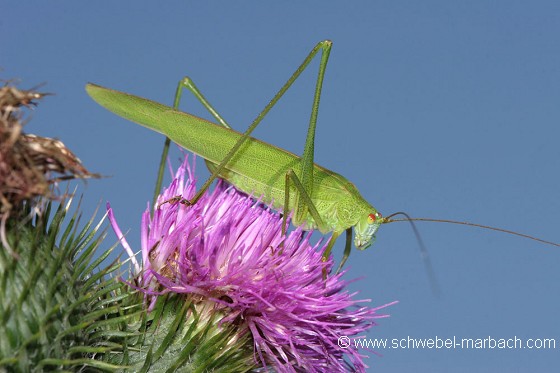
[228, 249]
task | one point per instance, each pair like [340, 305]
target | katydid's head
[365, 229]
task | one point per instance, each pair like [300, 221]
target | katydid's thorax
[343, 203]
[337, 200]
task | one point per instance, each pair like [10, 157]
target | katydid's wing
[258, 167]
[137, 109]
[198, 135]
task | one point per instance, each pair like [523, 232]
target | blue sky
[441, 109]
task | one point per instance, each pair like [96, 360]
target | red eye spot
[372, 218]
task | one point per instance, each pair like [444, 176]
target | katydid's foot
[176, 199]
[324, 261]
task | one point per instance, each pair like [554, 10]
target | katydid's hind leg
[185, 83]
[286, 210]
[307, 159]
[299, 212]
[307, 205]
[305, 186]
[347, 249]
[286, 206]
[303, 203]
[323, 46]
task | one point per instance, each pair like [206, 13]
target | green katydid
[322, 199]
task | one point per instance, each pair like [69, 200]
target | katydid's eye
[372, 218]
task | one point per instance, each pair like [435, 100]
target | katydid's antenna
[409, 219]
[423, 252]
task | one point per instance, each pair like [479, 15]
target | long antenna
[409, 219]
[423, 252]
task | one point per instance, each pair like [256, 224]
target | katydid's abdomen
[258, 168]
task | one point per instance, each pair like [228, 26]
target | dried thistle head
[29, 164]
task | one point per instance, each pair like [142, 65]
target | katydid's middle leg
[347, 249]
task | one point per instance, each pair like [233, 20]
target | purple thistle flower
[226, 249]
